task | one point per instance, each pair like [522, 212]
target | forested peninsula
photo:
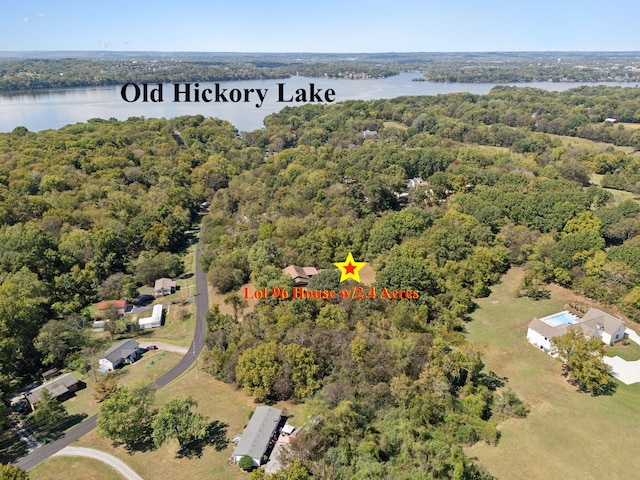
[439, 195]
[80, 69]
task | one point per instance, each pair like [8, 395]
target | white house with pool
[595, 323]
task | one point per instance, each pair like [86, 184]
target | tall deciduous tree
[258, 369]
[176, 420]
[126, 416]
[582, 361]
[49, 416]
[21, 313]
[304, 371]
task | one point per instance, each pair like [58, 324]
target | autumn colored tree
[581, 357]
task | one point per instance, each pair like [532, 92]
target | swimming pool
[560, 318]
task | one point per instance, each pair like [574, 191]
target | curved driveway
[115, 463]
[202, 305]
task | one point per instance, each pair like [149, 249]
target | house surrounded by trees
[58, 387]
[300, 275]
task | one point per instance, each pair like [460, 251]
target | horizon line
[325, 52]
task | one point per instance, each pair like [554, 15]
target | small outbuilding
[258, 435]
[125, 351]
[49, 374]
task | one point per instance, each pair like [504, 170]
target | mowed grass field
[567, 434]
[217, 400]
[63, 468]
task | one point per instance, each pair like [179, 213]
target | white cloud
[26, 20]
[103, 44]
[39, 14]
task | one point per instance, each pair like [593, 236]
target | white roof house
[124, 351]
[155, 320]
[262, 428]
[595, 323]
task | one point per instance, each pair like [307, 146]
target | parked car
[152, 347]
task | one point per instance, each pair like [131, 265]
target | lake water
[52, 109]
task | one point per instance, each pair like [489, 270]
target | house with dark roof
[125, 351]
[59, 387]
[300, 275]
[595, 323]
[257, 436]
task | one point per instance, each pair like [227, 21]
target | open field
[219, 401]
[63, 468]
[568, 434]
[630, 126]
[618, 195]
[585, 143]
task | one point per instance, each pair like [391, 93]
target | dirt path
[115, 463]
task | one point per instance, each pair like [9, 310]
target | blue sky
[322, 26]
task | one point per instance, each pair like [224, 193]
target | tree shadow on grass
[56, 431]
[216, 436]
[608, 388]
[143, 443]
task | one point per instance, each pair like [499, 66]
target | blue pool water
[560, 318]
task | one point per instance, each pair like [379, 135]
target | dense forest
[391, 385]
[77, 69]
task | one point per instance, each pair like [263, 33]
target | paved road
[117, 464]
[202, 305]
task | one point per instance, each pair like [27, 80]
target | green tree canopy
[176, 420]
[12, 472]
[582, 361]
[49, 416]
[126, 417]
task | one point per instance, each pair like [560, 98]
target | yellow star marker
[350, 268]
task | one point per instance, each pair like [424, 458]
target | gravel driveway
[115, 463]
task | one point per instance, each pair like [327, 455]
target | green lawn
[219, 401]
[63, 468]
[568, 434]
[179, 323]
[626, 350]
